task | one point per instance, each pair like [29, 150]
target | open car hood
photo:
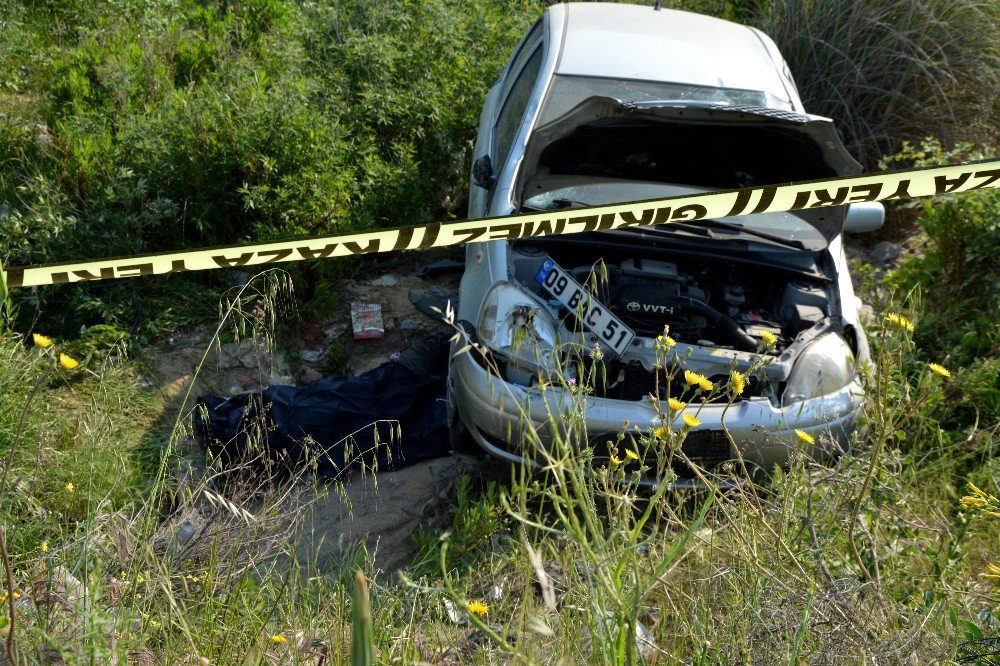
[695, 144]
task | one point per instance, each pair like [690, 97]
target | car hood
[686, 143]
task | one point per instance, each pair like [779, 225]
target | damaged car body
[607, 103]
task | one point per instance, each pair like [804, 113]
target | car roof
[639, 42]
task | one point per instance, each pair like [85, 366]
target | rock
[276, 379]
[885, 252]
[242, 354]
[385, 281]
[312, 355]
[409, 325]
[310, 375]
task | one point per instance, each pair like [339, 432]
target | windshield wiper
[781, 240]
[703, 226]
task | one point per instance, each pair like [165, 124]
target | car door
[502, 119]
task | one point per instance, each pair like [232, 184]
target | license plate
[596, 316]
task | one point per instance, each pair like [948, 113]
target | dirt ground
[382, 513]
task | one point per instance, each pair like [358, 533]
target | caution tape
[906, 184]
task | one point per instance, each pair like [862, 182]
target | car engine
[720, 304]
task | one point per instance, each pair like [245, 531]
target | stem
[11, 650]
[20, 430]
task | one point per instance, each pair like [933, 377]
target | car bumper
[495, 411]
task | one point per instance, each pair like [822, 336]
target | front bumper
[495, 411]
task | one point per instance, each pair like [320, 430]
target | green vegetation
[139, 125]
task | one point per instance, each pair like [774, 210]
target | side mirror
[482, 172]
[862, 217]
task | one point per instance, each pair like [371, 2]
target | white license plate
[595, 315]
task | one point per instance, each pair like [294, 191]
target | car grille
[637, 382]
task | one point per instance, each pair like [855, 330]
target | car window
[512, 111]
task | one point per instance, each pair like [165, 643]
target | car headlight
[823, 367]
[517, 327]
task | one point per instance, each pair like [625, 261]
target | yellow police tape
[911, 183]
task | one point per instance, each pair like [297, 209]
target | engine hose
[742, 339]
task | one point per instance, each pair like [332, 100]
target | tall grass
[893, 70]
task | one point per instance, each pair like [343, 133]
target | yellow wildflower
[693, 378]
[705, 384]
[629, 453]
[45, 546]
[69, 487]
[769, 338]
[278, 639]
[615, 460]
[675, 404]
[805, 437]
[665, 341]
[899, 321]
[41, 340]
[993, 571]
[67, 362]
[660, 433]
[939, 370]
[478, 608]
[691, 421]
[737, 382]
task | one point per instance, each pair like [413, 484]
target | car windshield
[568, 91]
[787, 225]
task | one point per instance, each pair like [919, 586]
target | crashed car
[605, 103]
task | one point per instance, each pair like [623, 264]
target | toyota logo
[633, 307]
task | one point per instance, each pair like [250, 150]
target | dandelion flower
[691, 421]
[278, 639]
[899, 321]
[805, 437]
[67, 362]
[478, 608]
[69, 487]
[696, 379]
[665, 341]
[615, 460]
[629, 453]
[737, 382]
[675, 404]
[41, 341]
[939, 370]
[660, 432]
[769, 338]
[45, 546]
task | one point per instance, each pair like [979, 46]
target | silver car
[605, 103]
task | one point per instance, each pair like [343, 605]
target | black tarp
[340, 421]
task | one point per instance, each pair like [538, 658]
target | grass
[142, 125]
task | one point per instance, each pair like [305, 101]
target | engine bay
[713, 303]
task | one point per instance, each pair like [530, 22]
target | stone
[312, 355]
[385, 281]
[884, 252]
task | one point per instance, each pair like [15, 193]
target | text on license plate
[595, 315]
